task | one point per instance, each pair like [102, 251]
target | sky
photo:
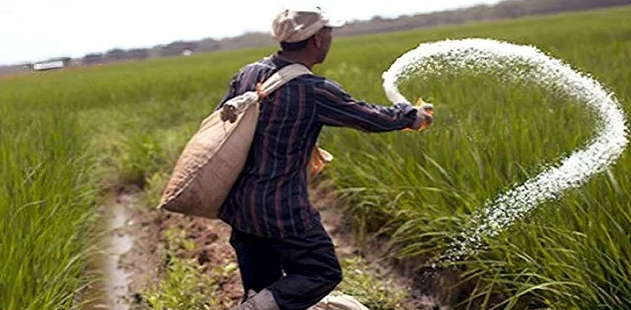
[32, 30]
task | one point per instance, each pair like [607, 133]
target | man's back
[270, 197]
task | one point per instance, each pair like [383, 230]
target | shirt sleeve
[335, 107]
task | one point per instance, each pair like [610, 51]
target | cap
[295, 26]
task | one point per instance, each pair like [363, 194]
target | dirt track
[146, 259]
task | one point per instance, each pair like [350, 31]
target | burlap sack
[214, 157]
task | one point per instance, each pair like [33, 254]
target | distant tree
[138, 53]
[115, 54]
[92, 58]
[208, 44]
[177, 48]
[509, 9]
[376, 18]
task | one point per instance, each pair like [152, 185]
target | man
[286, 258]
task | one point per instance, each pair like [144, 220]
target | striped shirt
[270, 197]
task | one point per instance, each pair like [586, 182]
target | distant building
[52, 64]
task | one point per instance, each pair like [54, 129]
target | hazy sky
[32, 30]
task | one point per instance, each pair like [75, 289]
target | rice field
[68, 136]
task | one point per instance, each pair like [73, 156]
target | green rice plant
[46, 205]
[184, 285]
[67, 134]
[374, 293]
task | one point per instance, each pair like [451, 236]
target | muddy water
[111, 283]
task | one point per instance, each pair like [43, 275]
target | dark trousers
[311, 267]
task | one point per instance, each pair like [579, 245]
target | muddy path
[110, 281]
[134, 250]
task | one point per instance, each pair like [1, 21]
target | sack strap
[280, 78]
[237, 105]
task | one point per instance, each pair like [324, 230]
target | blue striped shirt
[270, 197]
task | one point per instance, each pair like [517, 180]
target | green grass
[374, 293]
[183, 283]
[67, 134]
[45, 193]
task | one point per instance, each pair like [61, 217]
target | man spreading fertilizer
[286, 258]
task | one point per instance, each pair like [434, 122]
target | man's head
[307, 33]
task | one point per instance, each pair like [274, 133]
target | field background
[67, 136]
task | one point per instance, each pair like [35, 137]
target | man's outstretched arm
[335, 107]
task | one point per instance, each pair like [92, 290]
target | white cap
[295, 26]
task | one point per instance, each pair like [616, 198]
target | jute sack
[339, 302]
[214, 157]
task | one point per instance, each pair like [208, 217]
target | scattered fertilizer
[521, 64]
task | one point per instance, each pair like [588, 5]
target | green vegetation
[45, 190]
[67, 134]
[360, 282]
[183, 284]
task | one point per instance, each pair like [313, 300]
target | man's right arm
[335, 107]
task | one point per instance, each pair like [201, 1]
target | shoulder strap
[283, 76]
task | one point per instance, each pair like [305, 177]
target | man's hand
[424, 117]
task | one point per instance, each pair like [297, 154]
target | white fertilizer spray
[482, 55]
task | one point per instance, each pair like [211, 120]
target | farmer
[286, 258]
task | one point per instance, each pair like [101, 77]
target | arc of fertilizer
[486, 55]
